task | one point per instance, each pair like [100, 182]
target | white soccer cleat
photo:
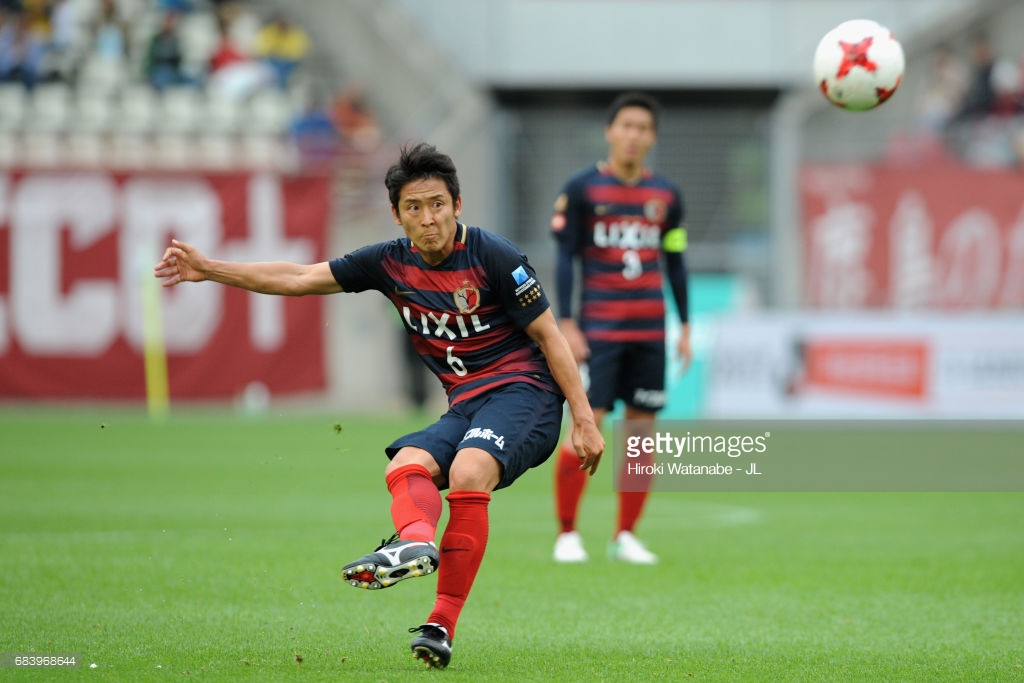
[627, 548]
[569, 548]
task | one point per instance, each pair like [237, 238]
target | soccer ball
[858, 65]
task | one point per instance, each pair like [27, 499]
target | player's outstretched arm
[586, 437]
[182, 262]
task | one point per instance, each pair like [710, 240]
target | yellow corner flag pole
[158, 398]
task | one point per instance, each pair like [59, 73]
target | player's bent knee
[474, 469]
[410, 455]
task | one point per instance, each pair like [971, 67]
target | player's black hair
[418, 163]
[635, 99]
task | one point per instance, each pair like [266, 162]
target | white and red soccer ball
[858, 65]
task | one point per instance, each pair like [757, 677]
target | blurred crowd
[971, 107]
[222, 50]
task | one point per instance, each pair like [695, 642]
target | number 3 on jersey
[632, 267]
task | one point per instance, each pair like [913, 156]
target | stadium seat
[85, 149]
[50, 108]
[93, 111]
[129, 150]
[100, 75]
[270, 111]
[261, 151]
[197, 34]
[173, 151]
[43, 149]
[13, 105]
[221, 114]
[217, 151]
[10, 149]
[138, 109]
[181, 110]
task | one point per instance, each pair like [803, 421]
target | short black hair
[420, 162]
[635, 99]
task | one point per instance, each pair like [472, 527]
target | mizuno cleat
[392, 561]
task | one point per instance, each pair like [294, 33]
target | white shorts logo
[485, 433]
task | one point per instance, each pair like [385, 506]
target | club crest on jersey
[467, 298]
[655, 210]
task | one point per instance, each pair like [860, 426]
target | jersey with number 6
[465, 316]
[618, 232]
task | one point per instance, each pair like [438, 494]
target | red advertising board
[944, 236]
[76, 249]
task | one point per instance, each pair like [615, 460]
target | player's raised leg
[415, 511]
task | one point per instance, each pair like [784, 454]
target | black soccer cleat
[432, 645]
[392, 561]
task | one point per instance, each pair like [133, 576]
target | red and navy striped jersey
[617, 231]
[465, 316]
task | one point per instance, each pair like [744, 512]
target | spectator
[980, 98]
[37, 12]
[243, 24]
[164, 57]
[356, 120]
[1018, 147]
[314, 135]
[22, 51]
[226, 52]
[283, 46]
[944, 96]
[111, 34]
[176, 6]
[63, 37]
[1006, 88]
[233, 72]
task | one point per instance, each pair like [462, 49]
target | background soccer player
[480, 320]
[623, 224]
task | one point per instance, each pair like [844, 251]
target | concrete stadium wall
[653, 43]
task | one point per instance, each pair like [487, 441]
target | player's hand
[684, 351]
[589, 444]
[181, 263]
[577, 342]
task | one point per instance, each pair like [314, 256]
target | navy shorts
[519, 424]
[633, 372]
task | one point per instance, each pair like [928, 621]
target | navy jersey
[465, 316]
[618, 231]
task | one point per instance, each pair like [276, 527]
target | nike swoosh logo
[451, 550]
[403, 292]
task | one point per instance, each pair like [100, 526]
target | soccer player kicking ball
[481, 322]
[623, 223]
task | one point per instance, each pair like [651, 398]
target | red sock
[462, 548]
[631, 503]
[570, 481]
[415, 503]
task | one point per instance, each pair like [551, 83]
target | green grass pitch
[208, 547]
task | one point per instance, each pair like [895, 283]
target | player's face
[630, 136]
[427, 213]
